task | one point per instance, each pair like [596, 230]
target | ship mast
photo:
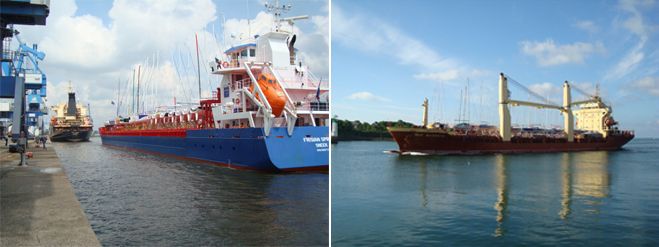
[567, 112]
[198, 65]
[504, 112]
[276, 11]
[139, 67]
[425, 113]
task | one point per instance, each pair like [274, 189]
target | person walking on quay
[43, 140]
[3, 136]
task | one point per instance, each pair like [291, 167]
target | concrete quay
[38, 206]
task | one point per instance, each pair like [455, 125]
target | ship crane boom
[505, 129]
[533, 104]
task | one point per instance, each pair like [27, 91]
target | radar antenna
[277, 9]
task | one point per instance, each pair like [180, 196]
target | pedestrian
[43, 142]
[3, 135]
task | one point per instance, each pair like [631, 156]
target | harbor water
[136, 199]
[582, 198]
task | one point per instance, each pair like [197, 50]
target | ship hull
[243, 148]
[70, 134]
[412, 141]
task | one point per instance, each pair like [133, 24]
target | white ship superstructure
[305, 97]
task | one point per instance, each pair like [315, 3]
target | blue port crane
[16, 78]
[35, 83]
[28, 80]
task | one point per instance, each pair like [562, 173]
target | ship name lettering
[315, 139]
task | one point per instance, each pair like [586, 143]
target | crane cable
[538, 96]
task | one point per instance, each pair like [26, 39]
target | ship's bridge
[241, 53]
[276, 48]
[235, 57]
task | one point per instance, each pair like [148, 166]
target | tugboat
[269, 112]
[595, 130]
[71, 121]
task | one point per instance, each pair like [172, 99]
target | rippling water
[581, 198]
[137, 199]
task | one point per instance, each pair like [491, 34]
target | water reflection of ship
[502, 193]
[586, 175]
[424, 179]
[566, 188]
[583, 174]
[266, 213]
[592, 174]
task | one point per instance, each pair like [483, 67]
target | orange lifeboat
[272, 91]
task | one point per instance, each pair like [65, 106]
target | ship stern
[306, 150]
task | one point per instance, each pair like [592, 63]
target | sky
[387, 56]
[97, 44]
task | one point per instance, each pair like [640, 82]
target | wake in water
[404, 153]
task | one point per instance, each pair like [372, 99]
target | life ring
[225, 64]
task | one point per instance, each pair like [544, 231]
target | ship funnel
[71, 108]
[291, 48]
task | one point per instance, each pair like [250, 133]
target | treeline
[357, 130]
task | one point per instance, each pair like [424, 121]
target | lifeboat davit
[272, 91]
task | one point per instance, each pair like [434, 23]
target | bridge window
[252, 52]
[243, 53]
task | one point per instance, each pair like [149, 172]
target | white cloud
[588, 26]
[137, 29]
[635, 22]
[160, 35]
[547, 53]
[636, 25]
[446, 75]
[237, 31]
[366, 96]
[546, 89]
[147, 26]
[80, 41]
[647, 84]
[628, 63]
[374, 35]
[314, 46]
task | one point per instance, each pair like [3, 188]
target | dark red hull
[429, 142]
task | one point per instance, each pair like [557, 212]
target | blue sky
[96, 44]
[387, 56]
